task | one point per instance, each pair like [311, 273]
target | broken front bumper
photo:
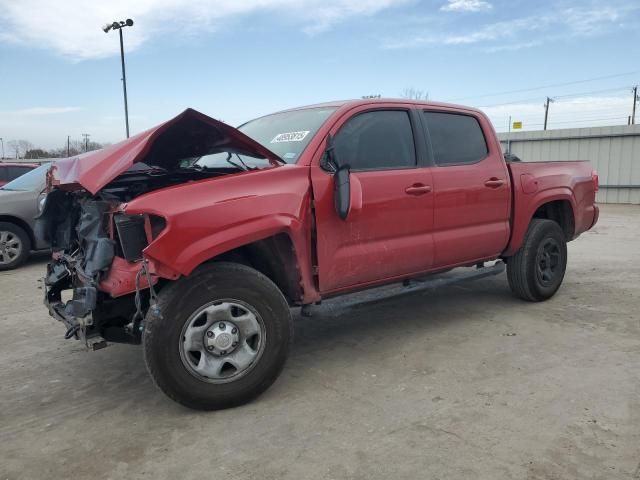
[75, 314]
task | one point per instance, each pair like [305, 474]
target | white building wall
[613, 151]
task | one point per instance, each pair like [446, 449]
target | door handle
[417, 189]
[494, 183]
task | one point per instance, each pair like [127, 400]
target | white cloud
[72, 27]
[466, 6]
[539, 29]
[511, 47]
[38, 111]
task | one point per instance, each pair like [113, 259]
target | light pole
[119, 26]
[2, 141]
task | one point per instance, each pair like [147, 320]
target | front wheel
[222, 337]
[536, 271]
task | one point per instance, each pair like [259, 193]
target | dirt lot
[461, 383]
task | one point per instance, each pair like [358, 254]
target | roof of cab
[372, 101]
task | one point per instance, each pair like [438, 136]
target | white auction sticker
[290, 137]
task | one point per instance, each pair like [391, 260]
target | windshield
[30, 181]
[287, 134]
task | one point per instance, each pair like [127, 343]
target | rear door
[471, 188]
[391, 235]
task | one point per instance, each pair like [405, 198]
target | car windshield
[30, 181]
[286, 134]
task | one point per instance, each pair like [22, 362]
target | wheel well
[275, 257]
[22, 224]
[561, 212]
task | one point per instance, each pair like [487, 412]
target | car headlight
[42, 201]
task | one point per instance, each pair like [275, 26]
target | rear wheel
[222, 339]
[14, 246]
[536, 271]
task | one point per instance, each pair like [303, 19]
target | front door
[391, 235]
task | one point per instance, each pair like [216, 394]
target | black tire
[529, 275]
[178, 302]
[24, 242]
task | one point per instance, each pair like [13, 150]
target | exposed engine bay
[87, 234]
[97, 249]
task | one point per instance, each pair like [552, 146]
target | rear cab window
[456, 138]
[377, 140]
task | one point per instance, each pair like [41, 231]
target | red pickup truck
[195, 238]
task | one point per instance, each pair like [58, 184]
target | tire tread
[154, 325]
[519, 273]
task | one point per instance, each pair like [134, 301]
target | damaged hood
[190, 134]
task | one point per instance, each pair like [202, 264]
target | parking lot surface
[462, 382]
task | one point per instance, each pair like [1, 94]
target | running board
[430, 282]
[434, 281]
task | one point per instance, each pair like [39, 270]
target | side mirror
[346, 199]
[342, 191]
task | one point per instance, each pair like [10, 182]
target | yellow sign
[517, 125]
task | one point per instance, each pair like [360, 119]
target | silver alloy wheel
[222, 341]
[10, 247]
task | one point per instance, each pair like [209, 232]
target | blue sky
[60, 74]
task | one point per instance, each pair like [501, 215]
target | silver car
[19, 204]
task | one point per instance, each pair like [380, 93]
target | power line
[590, 120]
[526, 124]
[582, 94]
[593, 92]
[584, 114]
[548, 86]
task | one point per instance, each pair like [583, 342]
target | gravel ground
[462, 382]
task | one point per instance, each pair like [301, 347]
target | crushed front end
[97, 282]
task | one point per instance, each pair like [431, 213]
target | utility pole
[546, 111]
[635, 100]
[68, 145]
[86, 141]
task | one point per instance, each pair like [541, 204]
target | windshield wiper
[243, 167]
[277, 158]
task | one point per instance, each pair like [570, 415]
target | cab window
[377, 140]
[456, 139]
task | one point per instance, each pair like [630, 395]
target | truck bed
[574, 183]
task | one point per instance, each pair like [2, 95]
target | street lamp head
[117, 25]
